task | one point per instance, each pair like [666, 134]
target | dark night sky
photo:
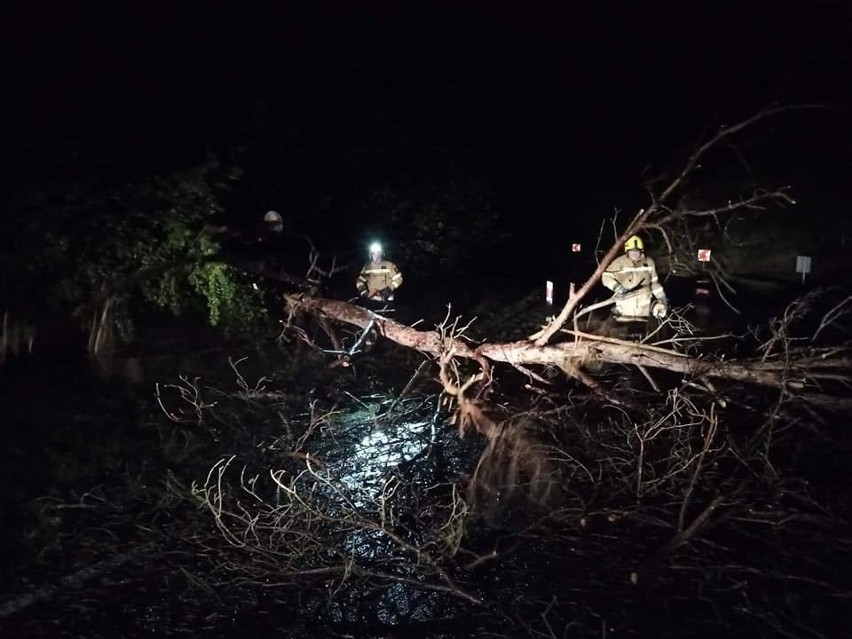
[562, 107]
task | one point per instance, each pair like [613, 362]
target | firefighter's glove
[661, 308]
[620, 290]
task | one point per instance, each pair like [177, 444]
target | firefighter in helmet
[633, 278]
[379, 278]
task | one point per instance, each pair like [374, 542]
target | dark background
[553, 111]
[559, 108]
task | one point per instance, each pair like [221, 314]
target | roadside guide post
[803, 265]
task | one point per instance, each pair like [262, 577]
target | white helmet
[272, 220]
[376, 249]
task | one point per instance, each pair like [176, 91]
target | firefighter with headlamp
[379, 278]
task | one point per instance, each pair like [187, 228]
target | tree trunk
[798, 372]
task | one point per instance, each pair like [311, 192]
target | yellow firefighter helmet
[634, 242]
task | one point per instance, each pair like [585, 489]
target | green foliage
[141, 243]
[230, 300]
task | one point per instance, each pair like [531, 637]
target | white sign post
[548, 292]
[803, 265]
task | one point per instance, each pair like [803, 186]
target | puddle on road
[362, 467]
[364, 446]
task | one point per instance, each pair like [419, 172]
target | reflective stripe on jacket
[378, 276]
[640, 279]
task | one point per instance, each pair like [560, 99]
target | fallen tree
[678, 502]
[675, 502]
[801, 366]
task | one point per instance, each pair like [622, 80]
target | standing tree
[107, 255]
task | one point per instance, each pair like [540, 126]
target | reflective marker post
[548, 292]
[704, 257]
[803, 265]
